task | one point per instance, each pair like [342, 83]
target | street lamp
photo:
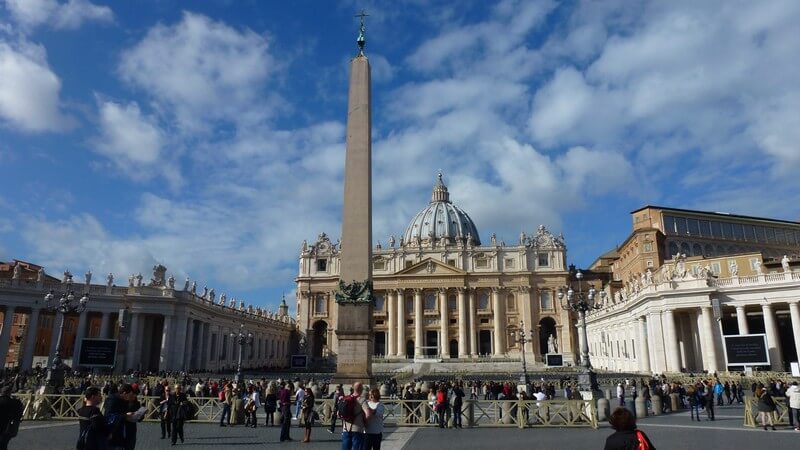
[582, 302]
[523, 339]
[242, 338]
[66, 304]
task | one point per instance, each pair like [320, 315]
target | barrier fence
[779, 417]
[398, 413]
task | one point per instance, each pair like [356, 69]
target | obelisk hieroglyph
[354, 299]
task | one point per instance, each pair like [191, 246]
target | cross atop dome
[440, 193]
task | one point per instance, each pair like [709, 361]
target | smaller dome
[441, 219]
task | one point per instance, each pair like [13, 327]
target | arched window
[451, 303]
[697, 250]
[511, 302]
[430, 301]
[483, 300]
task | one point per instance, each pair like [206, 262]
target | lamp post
[524, 339]
[242, 338]
[582, 302]
[65, 304]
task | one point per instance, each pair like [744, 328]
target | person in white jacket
[793, 395]
[251, 406]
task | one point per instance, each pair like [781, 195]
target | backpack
[643, 444]
[346, 408]
[82, 439]
[116, 424]
[221, 395]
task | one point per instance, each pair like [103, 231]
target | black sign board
[555, 359]
[747, 350]
[299, 361]
[97, 352]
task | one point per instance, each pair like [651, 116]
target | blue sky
[209, 136]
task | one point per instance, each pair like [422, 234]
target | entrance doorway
[431, 343]
[380, 344]
[410, 349]
[453, 348]
[547, 327]
[319, 338]
[485, 342]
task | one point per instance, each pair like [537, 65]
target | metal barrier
[779, 417]
[398, 413]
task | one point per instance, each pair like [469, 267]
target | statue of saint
[759, 268]
[551, 344]
[391, 241]
[304, 248]
[734, 268]
[493, 238]
[648, 276]
[222, 299]
[171, 282]
[785, 263]
[205, 293]
[186, 285]
[680, 267]
[139, 279]
[211, 295]
[131, 280]
[88, 277]
[522, 238]
[110, 279]
[17, 272]
[67, 277]
[193, 289]
[40, 275]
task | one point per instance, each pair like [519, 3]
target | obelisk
[354, 299]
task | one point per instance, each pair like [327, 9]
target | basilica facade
[444, 294]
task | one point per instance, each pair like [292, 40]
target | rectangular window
[754, 264]
[779, 236]
[705, 228]
[481, 263]
[716, 269]
[379, 264]
[545, 300]
[770, 235]
[544, 259]
[322, 265]
[738, 231]
[648, 246]
[410, 322]
[453, 321]
[409, 264]
[379, 322]
[669, 225]
[680, 225]
[451, 262]
[694, 227]
[509, 263]
[716, 230]
[224, 353]
[409, 305]
[649, 263]
[727, 230]
[761, 234]
[451, 303]
[484, 320]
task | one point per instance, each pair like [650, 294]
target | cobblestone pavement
[667, 432]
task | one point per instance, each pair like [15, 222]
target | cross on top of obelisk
[362, 32]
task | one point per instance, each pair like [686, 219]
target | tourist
[626, 436]
[374, 418]
[308, 413]
[119, 411]
[458, 398]
[93, 432]
[284, 399]
[442, 405]
[719, 390]
[298, 400]
[695, 400]
[226, 396]
[793, 396]
[708, 392]
[10, 416]
[252, 403]
[621, 394]
[337, 395]
[270, 405]
[766, 407]
[163, 411]
[353, 407]
[178, 406]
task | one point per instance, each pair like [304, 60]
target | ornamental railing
[751, 414]
[397, 413]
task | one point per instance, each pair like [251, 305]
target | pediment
[430, 266]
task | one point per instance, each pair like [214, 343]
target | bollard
[675, 402]
[327, 411]
[470, 413]
[384, 390]
[630, 406]
[655, 401]
[505, 406]
[608, 395]
[641, 407]
[237, 413]
[602, 409]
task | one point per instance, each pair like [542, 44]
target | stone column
[463, 344]
[741, 320]
[473, 322]
[166, 344]
[391, 301]
[444, 324]
[499, 324]
[206, 355]
[80, 333]
[643, 353]
[105, 324]
[794, 311]
[5, 334]
[707, 340]
[187, 361]
[657, 342]
[418, 335]
[179, 349]
[671, 344]
[30, 339]
[401, 322]
[773, 340]
[134, 343]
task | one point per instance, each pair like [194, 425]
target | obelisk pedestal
[354, 297]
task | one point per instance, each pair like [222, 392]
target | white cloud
[29, 90]
[202, 70]
[70, 15]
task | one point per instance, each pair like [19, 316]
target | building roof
[719, 214]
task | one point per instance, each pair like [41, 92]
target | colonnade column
[391, 347]
[773, 341]
[794, 311]
[401, 323]
[187, 361]
[741, 320]
[707, 331]
[671, 344]
[105, 323]
[80, 333]
[166, 344]
[499, 323]
[418, 323]
[473, 329]
[643, 351]
[5, 334]
[462, 324]
[179, 348]
[131, 357]
[206, 356]
[30, 339]
[444, 340]
[657, 342]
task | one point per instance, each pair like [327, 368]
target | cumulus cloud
[29, 89]
[201, 70]
[69, 15]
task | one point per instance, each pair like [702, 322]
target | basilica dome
[440, 220]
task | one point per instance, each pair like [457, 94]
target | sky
[209, 136]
